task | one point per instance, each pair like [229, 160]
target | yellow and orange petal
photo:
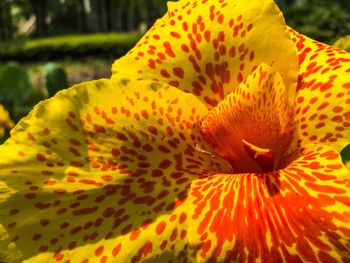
[5, 121]
[209, 47]
[323, 93]
[101, 173]
[254, 126]
[298, 214]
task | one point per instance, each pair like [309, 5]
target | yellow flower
[343, 43]
[5, 121]
[243, 166]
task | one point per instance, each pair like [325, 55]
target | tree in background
[6, 26]
[323, 20]
[56, 17]
[39, 8]
[83, 16]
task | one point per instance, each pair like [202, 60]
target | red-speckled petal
[208, 47]
[100, 173]
[253, 127]
[323, 93]
[298, 214]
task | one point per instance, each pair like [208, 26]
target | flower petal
[208, 47]
[298, 214]
[5, 121]
[323, 93]
[253, 122]
[100, 172]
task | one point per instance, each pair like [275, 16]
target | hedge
[107, 44]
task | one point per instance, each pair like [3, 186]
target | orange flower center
[264, 158]
[254, 126]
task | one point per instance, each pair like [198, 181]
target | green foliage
[15, 85]
[343, 43]
[345, 154]
[323, 20]
[55, 78]
[108, 44]
[20, 91]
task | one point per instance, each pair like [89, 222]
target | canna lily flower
[217, 139]
[5, 121]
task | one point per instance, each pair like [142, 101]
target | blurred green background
[48, 45]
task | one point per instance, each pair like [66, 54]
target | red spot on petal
[160, 228]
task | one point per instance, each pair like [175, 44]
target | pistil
[264, 158]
